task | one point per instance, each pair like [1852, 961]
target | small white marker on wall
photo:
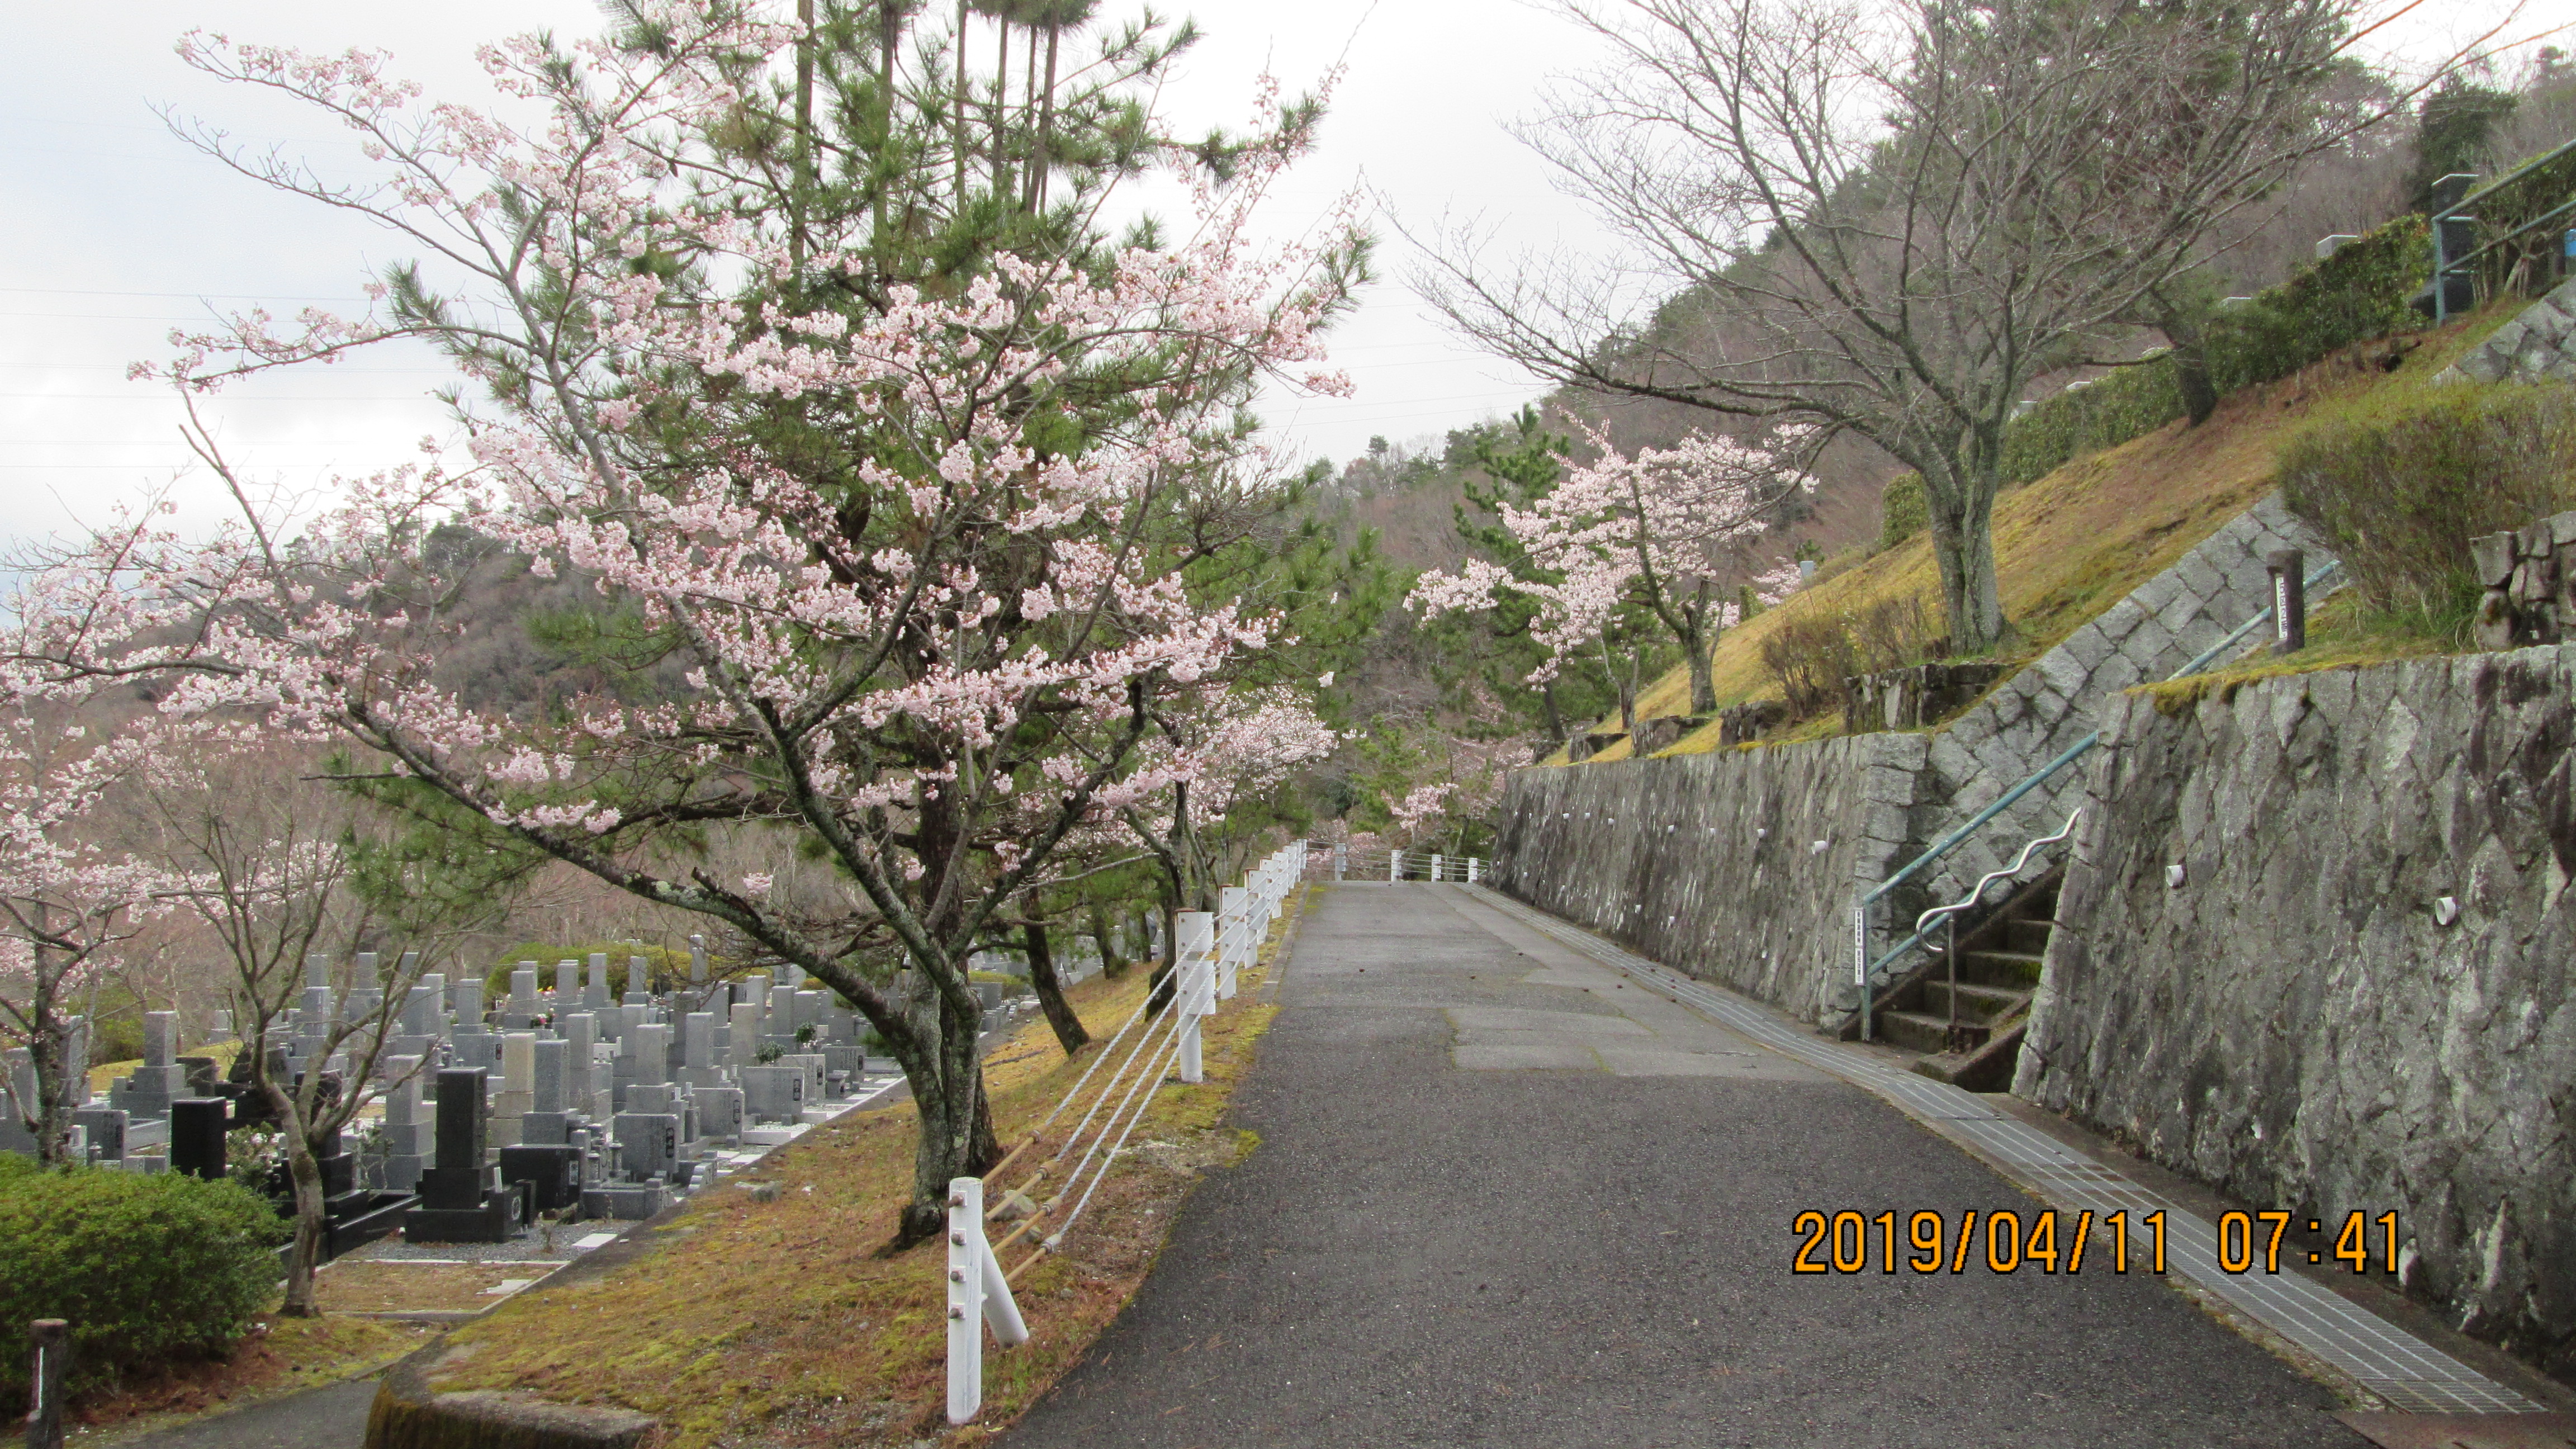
[2445, 911]
[2174, 876]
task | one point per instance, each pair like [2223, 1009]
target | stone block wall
[2051, 705]
[1738, 866]
[2539, 343]
[2302, 1021]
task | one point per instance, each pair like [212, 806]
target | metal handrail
[1864, 969]
[2501, 182]
[2443, 265]
[1950, 913]
[1923, 922]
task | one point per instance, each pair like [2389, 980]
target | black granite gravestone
[458, 1203]
[197, 1136]
[554, 1173]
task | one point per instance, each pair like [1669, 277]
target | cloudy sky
[114, 231]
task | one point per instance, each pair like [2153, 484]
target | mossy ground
[280, 1356]
[776, 1323]
[2341, 635]
[2070, 545]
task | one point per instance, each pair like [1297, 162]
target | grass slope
[776, 1324]
[2072, 544]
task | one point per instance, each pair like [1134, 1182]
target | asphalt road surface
[1504, 1197]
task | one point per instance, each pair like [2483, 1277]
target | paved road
[1503, 1198]
[333, 1416]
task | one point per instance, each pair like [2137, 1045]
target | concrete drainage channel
[2430, 1390]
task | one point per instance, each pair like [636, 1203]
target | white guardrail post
[1193, 968]
[1234, 939]
[1207, 963]
[977, 1295]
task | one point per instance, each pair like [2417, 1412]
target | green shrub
[1903, 511]
[147, 1270]
[2359, 293]
[2400, 492]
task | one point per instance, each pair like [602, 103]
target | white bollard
[978, 1294]
[1191, 971]
[1394, 866]
[1435, 865]
[1471, 869]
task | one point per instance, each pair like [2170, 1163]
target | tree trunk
[957, 127]
[1111, 964]
[1555, 716]
[1041, 163]
[1001, 114]
[2189, 347]
[1963, 543]
[804, 134]
[311, 1220]
[1068, 1027]
[1697, 647]
[49, 1052]
[956, 1140]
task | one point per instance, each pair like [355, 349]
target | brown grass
[396, 1285]
[2070, 545]
[281, 1356]
[775, 1323]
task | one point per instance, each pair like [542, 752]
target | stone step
[2028, 936]
[2015, 970]
[1977, 1004]
[1919, 1031]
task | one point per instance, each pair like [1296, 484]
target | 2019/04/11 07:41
[2247, 1242]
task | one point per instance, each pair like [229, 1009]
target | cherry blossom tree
[924, 538]
[1649, 535]
[76, 733]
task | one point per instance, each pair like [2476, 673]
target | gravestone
[719, 1113]
[153, 1086]
[458, 1201]
[474, 1043]
[105, 1130]
[745, 1038]
[517, 1096]
[547, 1122]
[595, 998]
[408, 1135]
[197, 1126]
[648, 1145]
[773, 1094]
[698, 1049]
[567, 986]
[814, 1068]
[639, 981]
[552, 1172]
[697, 960]
[525, 1005]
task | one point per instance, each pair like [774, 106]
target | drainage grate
[2413, 1376]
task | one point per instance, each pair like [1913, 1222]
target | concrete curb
[410, 1414]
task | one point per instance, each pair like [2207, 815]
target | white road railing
[1214, 948]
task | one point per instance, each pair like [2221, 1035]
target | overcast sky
[114, 231]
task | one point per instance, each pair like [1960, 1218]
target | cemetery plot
[416, 1285]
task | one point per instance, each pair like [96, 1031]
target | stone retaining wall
[1738, 866]
[2295, 1021]
[2035, 716]
[2538, 344]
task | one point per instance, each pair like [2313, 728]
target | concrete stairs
[1969, 1033]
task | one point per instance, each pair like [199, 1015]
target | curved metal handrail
[1923, 922]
